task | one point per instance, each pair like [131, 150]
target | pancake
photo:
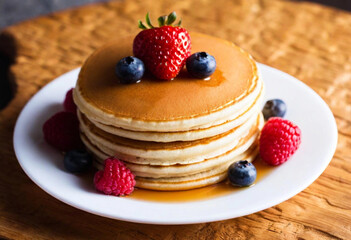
[165, 106]
[180, 152]
[173, 135]
[190, 182]
[189, 135]
[176, 170]
[198, 180]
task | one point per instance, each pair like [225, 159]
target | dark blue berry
[76, 161]
[130, 70]
[201, 65]
[242, 173]
[274, 108]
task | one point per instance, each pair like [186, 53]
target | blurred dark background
[342, 4]
[14, 11]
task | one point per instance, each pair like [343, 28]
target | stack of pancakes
[173, 135]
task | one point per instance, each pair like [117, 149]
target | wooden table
[308, 41]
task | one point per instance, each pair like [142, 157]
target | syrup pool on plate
[205, 193]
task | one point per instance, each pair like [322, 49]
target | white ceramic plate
[43, 164]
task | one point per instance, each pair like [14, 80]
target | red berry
[62, 131]
[279, 140]
[116, 179]
[163, 50]
[68, 103]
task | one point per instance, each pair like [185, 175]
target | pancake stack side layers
[173, 135]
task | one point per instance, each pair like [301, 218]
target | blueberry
[130, 70]
[76, 161]
[201, 65]
[242, 173]
[274, 108]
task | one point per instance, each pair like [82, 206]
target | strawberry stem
[141, 25]
[171, 18]
[162, 21]
[148, 22]
[179, 23]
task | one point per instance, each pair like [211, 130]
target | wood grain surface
[308, 41]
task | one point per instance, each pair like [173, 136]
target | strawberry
[163, 49]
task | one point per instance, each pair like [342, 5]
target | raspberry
[68, 103]
[279, 140]
[62, 131]
[116, 179]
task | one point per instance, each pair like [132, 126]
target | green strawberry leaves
[162, 21]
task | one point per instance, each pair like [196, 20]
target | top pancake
[99, 91]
